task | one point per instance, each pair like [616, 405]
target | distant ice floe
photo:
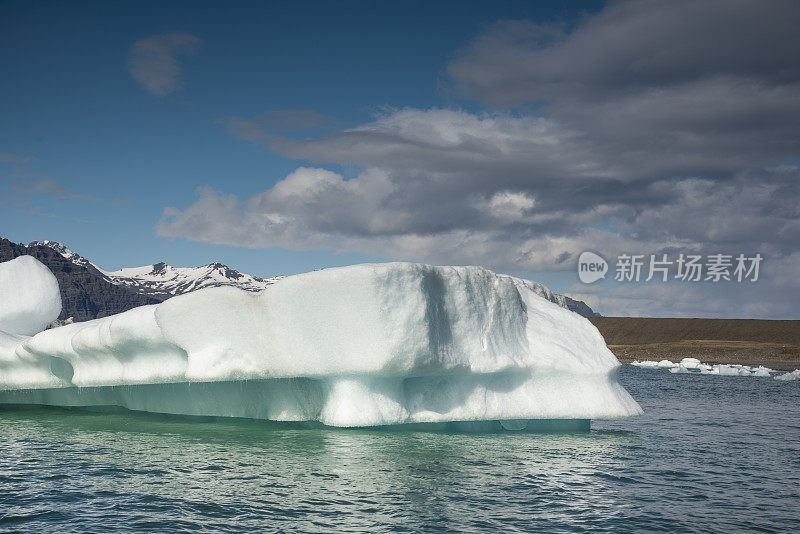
[695, 366]
[365, 345]
[789, 377]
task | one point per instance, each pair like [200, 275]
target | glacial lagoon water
[711, 454]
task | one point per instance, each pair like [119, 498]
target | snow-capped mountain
[74, 257]
[162, 281]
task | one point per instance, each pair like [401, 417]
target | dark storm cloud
[661, 89]
[634, 46]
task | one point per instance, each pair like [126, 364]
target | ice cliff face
[365, 345]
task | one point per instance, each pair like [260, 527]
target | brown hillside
[774, 344]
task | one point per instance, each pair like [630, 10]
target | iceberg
[365, 345]
[789, 377]
[29, 296]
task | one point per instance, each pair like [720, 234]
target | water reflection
[704, 445]
[246, 471]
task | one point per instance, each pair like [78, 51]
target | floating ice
[687, 365]
[788, 377]
[762, 371]
[732, 370]
[29, 296]
[695, 366]
[365, 345]
[649, 364]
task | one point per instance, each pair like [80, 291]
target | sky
[279, 138]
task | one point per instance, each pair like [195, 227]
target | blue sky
[283, 137]
[71, 106]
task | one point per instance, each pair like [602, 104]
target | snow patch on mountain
[163, 281]
[74, 257]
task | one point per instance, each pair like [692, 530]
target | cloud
[153, 61]
[510, 206]
[769, 298]
[637, 46]
[658, 89]
[657, 128]
[501, 200]
[263, 129]
[5, 157]
[49, 186]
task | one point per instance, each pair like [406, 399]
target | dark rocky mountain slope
[84, 295]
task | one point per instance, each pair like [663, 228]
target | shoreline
[753, 342]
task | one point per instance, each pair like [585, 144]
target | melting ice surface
[366, 345]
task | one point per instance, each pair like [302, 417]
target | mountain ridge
[84, 295]
[150, 284]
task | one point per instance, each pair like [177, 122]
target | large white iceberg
[29, 296]
[373, 344]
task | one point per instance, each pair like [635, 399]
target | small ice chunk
[649, 364]
[789, 377]
[690, 363]
[762, 371]
[732, 370]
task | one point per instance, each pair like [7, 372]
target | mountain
[84, 295]
[135, 286]
[162, 281]
[74, 257]
[579, 307]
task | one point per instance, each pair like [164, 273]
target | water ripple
[709, 455]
